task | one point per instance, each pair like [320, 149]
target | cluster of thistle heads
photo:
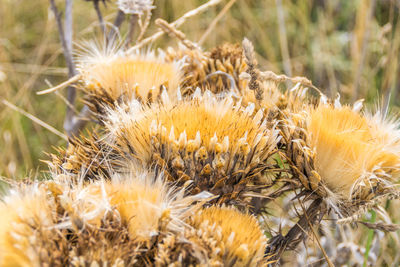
[189, 151]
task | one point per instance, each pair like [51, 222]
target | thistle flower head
[111, 75]
[219, 236]
[61, 222]
[87, 157]
[203, 139]
[26, 214]
[137, 7]
[143, 203]
[352, 150]
[240, 234]
[217, 71]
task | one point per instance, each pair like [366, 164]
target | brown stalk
[132, 28]
[100, 16]
[119, 19]
[215, 21]
[35, 119]
[176, 23]
[172, 31]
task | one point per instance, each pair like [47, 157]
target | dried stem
[60, 86]
[35, 119]
[72, 124]
[310, 224]
[269, 75]
[215, 21]
[117, 23]
[78, 122]
[172, 31]
[176, 23]
[100, 16]
[132, 26]
[146, 24]
[65, 46]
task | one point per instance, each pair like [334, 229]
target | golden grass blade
[34, 119]
[60, 86]
[215, 21]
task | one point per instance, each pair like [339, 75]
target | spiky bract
[86, 157]
[217, 145]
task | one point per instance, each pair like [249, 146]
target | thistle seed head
[219, 236]
[111, 75]
[216, 144]
[137, 7]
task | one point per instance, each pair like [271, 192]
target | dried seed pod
[219, 145]
[217, 70]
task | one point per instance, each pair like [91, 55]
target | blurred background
[346, 47]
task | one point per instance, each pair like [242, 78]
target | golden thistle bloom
[143, 203]
[220, 236]
[351, 150]
[354, 157]
[27, 233]
[62, 223]
[113, 75]
[216, 144]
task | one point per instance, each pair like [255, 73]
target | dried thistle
[217, 145]
[220, 236]
[251, 61]
[138, 7]
[342, 154]
[86, 157]
[61, 222]
[217, 70]
[111, 76]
